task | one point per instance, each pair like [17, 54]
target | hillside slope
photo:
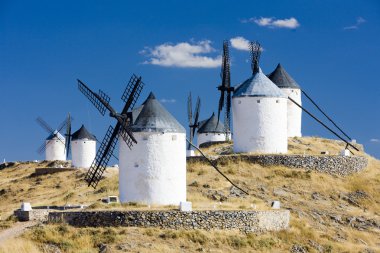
[328, 213]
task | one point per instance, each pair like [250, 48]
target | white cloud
[240, 43]
[359, 21]
[288, 23]
[374, 140]
[170, 100]
[185, 55]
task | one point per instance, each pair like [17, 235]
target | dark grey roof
[282, 79]
[82, 133]
[258, 85]
[136, 111]
[154, 117]
[211, 125]
[54, 135]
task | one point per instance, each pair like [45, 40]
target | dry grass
[19, 246]
[296, 189]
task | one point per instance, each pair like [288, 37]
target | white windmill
[210, 130]
[287, 84]
[152, 157]
[83, 148]
[56, 146]
[259, 112]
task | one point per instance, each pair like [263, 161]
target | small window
[84, 142]
[258, 101]
[136, 165]
[277, 101]
[206, 134]
[174, 137]
[145, 138]
[239, 102]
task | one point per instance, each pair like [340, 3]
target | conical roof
[282, 79]
[258, 85]
[82, 133]
[136, 111]
[54, 135]
[211, 125]
[155, 118]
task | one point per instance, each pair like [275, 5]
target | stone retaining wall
[331, 164]
[246, 221]
[36, 215]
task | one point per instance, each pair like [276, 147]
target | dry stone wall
[335, 165]
[246, 221]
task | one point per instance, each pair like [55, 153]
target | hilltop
[329, 213]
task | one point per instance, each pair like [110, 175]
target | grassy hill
[328, 213]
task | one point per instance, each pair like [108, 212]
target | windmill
[55, 135]
[193, 125]
[225, 90]
[101, 102]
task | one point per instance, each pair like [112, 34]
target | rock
[235, 192]
[279, 192]
[194, 184]
[206, 186]
[51, 248]
[103, 248]
[316, 246]
[298, 249]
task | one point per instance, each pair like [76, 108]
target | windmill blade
[190, 109]
[132, 92]
[112, 152]
[196, 116]
[44, 125]
[221, 103]
[42, 148]
[101, 102]
[255, 49]
[126, 133]
[62, 125]
[68, 136]
[103, 156]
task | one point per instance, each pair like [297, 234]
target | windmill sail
[101, 102]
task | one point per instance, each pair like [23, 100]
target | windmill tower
[55, 146]
[210, 130]
[225, 91]
[193, 125]
[259, 112]
[154, 171]
[83, 146]
[287, 84]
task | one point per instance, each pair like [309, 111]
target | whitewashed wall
[211, 137]
[55, 150]
[154, 170]
[83, 152]
[260, 127]
[294, 112]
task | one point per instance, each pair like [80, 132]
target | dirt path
[16, 230]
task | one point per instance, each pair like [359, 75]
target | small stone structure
[33, 215]
[246, 221]
[330, 164]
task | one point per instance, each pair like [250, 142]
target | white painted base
[153, 172]
[26, 206]
[190, 153]
[185, 206]
[276, 204]
[83, 153]
[345, 152]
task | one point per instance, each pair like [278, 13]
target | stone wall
[331, 164]
[36, 215]
[246, 221]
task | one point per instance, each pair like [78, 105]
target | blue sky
[331, 48]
